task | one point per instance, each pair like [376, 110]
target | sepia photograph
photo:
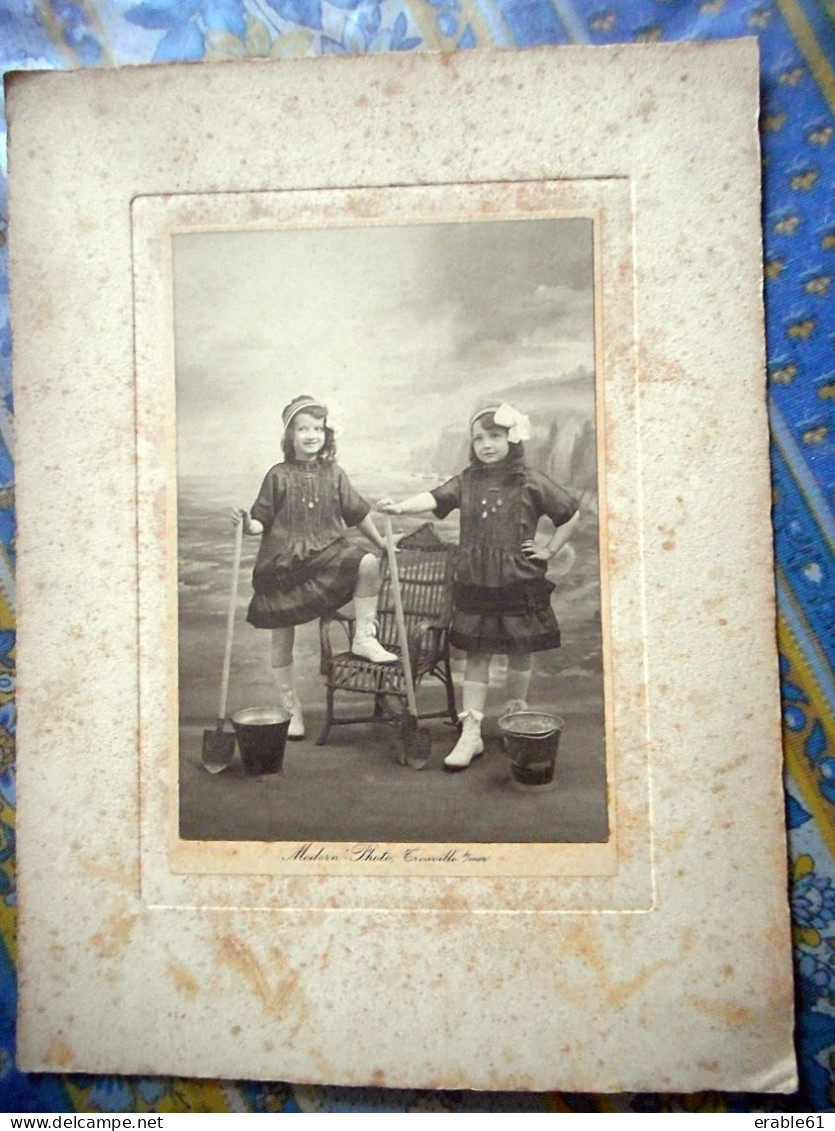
[389, 585]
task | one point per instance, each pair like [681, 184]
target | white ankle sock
[285, 678]
[474, 696]
[518, 684]
[285, 682]
[365, 609]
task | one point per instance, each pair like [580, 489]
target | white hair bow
[517, 424]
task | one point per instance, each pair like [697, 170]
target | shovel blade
[218, 750]
[415, 744]
[420, 750]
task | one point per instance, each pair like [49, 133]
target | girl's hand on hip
[535, 553]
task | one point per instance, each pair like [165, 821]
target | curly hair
[328, 452]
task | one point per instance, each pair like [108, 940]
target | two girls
[306, 568]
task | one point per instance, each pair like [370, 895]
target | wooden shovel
[414, 742]
[218, 746]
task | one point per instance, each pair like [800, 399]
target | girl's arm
[251, 525]
[371, 532]
[417, 504]
[554, 544]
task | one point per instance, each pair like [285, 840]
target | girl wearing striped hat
[501, 598]
[306, 568]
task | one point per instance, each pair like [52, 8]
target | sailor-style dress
[305, 566]
[501, 598]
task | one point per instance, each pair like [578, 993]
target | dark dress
[305, 566]
[502, 599]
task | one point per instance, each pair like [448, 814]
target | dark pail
[262, 736]
[531, 741]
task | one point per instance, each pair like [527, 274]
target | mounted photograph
[479, 773]
[388, 534]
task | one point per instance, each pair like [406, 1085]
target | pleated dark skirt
[513, 619]
[319, 586]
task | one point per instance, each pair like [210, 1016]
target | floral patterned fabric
[797, 45]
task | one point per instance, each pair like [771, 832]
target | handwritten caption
[375, 854]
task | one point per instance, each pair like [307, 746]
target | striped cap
[301, 405]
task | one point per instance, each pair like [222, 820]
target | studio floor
[353, 789]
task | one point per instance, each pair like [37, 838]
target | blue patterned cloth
[797, 45]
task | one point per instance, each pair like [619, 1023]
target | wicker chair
[424, 565]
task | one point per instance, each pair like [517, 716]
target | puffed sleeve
[352, 505]
[447, 497]
[553, 501]
[270, 497]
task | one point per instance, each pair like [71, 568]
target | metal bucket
[262, 736]
[531, 741]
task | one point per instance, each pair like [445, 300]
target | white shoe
[290, 702]
[469, 745]
[513, 707]
[368, 647]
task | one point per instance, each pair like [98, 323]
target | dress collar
[511, 469]
[305, 467]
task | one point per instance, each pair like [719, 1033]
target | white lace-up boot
[289, 700]
[469, 745]
[365, 643]
[295, 732]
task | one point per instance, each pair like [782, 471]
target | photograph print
[388, 531]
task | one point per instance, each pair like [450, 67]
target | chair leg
[323, 737]
[450, 691]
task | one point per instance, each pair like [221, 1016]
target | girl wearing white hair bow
[501, 597]
[305, 566]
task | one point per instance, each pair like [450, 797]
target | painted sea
[353, 789]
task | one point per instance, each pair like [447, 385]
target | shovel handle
[230, 623]
[400, 617]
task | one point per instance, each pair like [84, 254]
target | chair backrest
[424, 566]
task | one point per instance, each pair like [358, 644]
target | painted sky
[401, 330]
